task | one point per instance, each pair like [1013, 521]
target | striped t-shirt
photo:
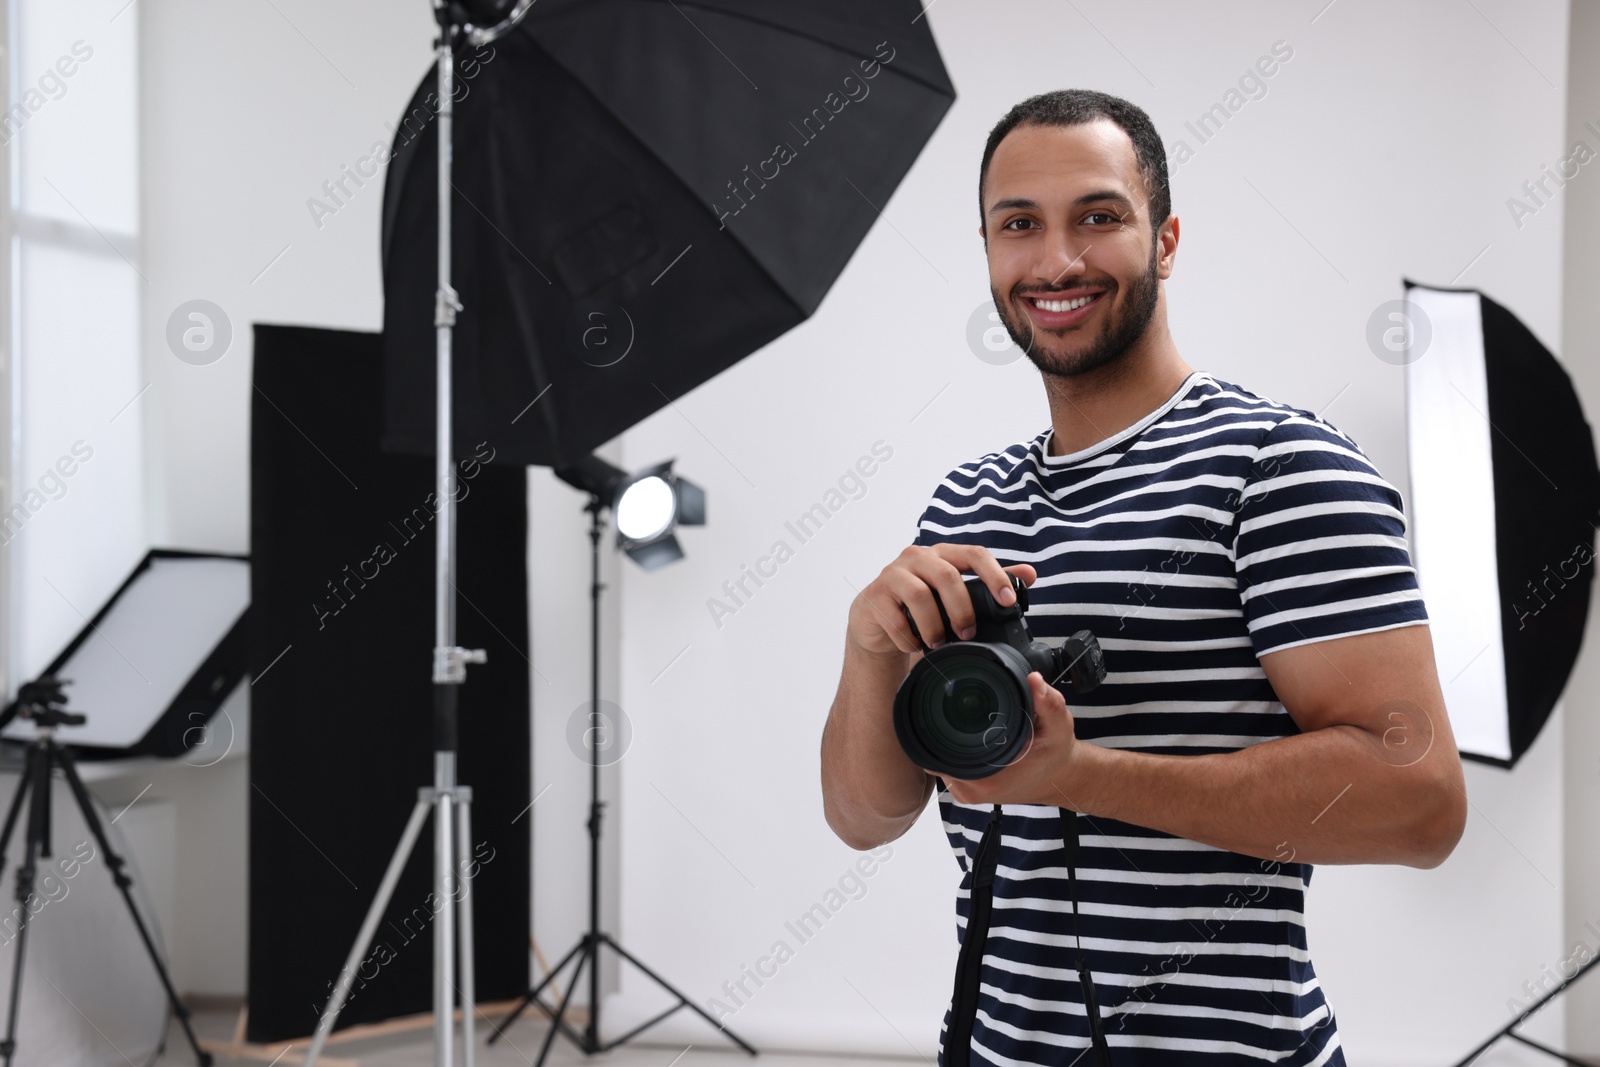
[1220, 527]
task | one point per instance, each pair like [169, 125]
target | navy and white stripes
[1219, 528]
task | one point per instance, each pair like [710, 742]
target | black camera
[965, 709]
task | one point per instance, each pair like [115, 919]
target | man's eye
[1013, 222]
[1104, 215]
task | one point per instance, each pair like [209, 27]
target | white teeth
[1063, 305]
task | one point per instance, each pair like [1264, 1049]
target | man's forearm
[871, 792]
[1328, 795]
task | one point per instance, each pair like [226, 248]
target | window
[72, 524]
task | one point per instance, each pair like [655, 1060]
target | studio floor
[518, 1049]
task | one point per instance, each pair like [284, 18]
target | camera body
[965, 710]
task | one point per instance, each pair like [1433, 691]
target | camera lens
[964, 714]
[969, 705]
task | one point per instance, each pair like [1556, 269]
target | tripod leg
[25, 873]
[1548, 1051]
[444, 927]
[533, 994]
[17, 802]
[369, 926]
[588, 957]
[469, 993]
[666, 985]
[39, 778]
[16, 808]
[1508, 1030]
[115, 863]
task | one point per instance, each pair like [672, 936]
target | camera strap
[1091, 1005]
[980, 902]
[969, 965]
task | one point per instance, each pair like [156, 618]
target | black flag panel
[340, 646]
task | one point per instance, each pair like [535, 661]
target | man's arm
[871, 791]
[1374, 777]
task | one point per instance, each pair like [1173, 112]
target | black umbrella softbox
[646, 193]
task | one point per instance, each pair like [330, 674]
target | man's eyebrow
[1022, 203]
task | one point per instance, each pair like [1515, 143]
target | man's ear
[1168, 255]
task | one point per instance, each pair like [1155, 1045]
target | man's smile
[1066, 307]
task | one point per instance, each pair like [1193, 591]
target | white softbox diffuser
[157, 660]
[1505, 494]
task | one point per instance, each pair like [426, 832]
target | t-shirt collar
[1071, 458]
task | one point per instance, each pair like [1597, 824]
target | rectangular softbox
[157, 660]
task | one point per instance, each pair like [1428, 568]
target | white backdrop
[1387, 145]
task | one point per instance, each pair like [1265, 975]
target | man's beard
[1117, 334]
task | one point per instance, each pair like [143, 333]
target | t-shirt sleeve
[925, 536]
[934, 515]
[1320, 542]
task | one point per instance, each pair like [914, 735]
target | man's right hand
[877, 615]
[871, 791]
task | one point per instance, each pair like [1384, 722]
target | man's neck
[1088, 408]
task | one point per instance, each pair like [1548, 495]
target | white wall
[1386, 147]
[248, 109]
[1580, 737]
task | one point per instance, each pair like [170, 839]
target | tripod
[587, 951]
[43, 702]
[449, 801]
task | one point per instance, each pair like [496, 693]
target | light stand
[449, 802]
[587, 951]
[43, 702]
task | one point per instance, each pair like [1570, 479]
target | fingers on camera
[981, 561]
[1025, 571]
[911, 591]
[952, 591]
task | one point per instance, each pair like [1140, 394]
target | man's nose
[1061, 255]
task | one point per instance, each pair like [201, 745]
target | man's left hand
[1042, 774]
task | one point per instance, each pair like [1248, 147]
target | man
[1271, 699]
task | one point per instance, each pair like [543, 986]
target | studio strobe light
[646, 506]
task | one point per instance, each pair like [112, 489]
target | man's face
[1067, 224]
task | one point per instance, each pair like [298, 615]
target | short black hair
[1074, 107]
